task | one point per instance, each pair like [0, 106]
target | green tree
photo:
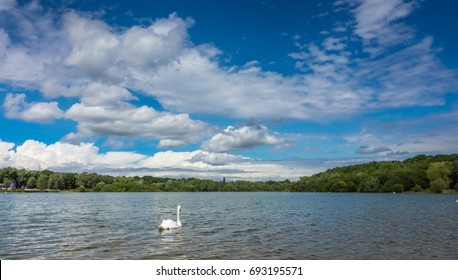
[8, 175]
[438, 185]
[97, 187]
[339, 186]
[88, 180]
[22, 177]
[56, 181]
[31, 182]
[81, 189]
[371, 184]
[7, 182]
[389, 187]
[438, 174]
[42, 181]
[69, 180]
[417, 188]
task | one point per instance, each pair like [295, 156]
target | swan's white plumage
[170, 224]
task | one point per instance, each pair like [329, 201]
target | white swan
[170, 224]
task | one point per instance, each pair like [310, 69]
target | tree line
[21, 179]
[418, 174]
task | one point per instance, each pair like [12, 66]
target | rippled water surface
[228, 226]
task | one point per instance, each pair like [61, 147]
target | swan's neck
[178, 217]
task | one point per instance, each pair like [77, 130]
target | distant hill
[422, 173]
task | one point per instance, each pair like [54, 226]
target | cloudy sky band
[372, 83]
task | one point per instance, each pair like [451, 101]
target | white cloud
[18, 65]
[334, 44]
[119, 159]
[92, 94]
[104, 112]
[170, 143]
[5, 153]
[16, 107]
[39, 156]
[205, 87]
[411, 76]
[242, 138]
[64, 156]
[73, 138]
[4, 42]
[103, 66]
[103, 54]
[98, 63]
[93, 63]
[30, 43]
[129, 121]
[67, 157]
[347, 85]
[5, 146]
[93, 44]
[204, 164]
[217, 159]
[378, 21]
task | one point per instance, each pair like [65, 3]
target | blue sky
[252, 90]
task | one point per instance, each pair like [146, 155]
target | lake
[228, 226]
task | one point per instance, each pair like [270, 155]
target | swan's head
[179, 208]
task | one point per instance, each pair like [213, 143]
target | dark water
[228, 226]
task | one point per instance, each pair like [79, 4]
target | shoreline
[445, 192]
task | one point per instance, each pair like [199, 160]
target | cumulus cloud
[16, 107]
[76, 55]
[242, 138]
[31, 45]
[217, 159]
[94, 63]
[5, 147]
[129, 121]
[103, 54]
[62, 156]
[205, 87]
[39, 156]
[82, 157]
[105, 68]
[171, 143]
[103, 111]
[92, 94]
